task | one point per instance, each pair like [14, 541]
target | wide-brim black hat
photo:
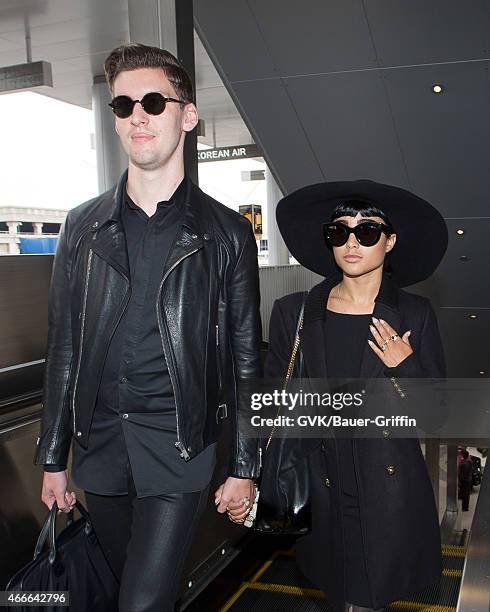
[421, 232]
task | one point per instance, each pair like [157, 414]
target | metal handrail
[474, 594]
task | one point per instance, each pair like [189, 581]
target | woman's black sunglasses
[367, 233]
[153, 103]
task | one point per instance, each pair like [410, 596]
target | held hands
[391, 349]
[236, 497]
[54, 489]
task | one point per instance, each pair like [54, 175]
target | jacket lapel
[192, 233]
[109, 240]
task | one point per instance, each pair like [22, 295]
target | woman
[375, 530]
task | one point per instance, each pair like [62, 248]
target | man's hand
[235, 496]
[54, 488]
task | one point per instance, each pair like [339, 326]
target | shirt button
[327, 482]
[125, 415]
[391, 469]
[124, 379]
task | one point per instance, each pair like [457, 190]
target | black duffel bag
[74, 562]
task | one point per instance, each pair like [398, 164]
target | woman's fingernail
[375, 319]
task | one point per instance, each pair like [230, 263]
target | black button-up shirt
[134, 424]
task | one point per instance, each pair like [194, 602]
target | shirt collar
[177, 199]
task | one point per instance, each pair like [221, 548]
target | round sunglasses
[153, 103]
[367, 233]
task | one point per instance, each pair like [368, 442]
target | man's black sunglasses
[153, 103]
[367, 233]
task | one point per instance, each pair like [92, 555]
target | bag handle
[294, 352]
[49, 530]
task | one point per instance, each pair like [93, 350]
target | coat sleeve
[280, 344]
[245, 331]
[53, 443]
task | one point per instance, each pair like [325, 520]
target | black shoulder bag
[283, 504]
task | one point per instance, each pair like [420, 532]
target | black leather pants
[146, 542]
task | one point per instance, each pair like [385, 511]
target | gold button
[327, 482]
[391, 469]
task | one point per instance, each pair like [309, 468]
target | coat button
[96, 224]
[386, 433]
[79, 433]
[124, 379]
[125, 415]
[327, 482]
[391, 469]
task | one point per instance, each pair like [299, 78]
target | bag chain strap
[290, 365]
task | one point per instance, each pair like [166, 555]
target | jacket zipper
[179, 444]
[218, 360]
[84, 309]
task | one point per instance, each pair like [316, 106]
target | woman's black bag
[283, 499]
[74, 563]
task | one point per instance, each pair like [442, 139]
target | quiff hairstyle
[136, 55]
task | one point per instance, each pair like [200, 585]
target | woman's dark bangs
[350, 208]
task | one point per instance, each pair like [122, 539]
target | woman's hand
[235, 497]
[391, 348]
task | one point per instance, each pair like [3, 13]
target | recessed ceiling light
[437, 88]
[473, 316]
[460, 232]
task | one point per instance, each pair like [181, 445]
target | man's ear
[190, 117]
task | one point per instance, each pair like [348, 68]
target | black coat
[399, 520]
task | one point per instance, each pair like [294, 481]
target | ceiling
[342, 90]
[76, 36]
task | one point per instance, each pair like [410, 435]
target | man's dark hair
[136, 55]
[350, 208]
[466, 454]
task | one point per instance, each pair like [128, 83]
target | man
[465, 478]
[153, 325]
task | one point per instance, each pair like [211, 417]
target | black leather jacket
[208, 316]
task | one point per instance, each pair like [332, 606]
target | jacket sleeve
[245, 333]
[53, 443]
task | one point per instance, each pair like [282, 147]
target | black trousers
[146, 542]
[465, 490]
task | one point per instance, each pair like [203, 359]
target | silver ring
[394, 337]
[384, 346]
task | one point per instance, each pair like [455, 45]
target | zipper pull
[183, 451]
[260, 457]
[217, 336]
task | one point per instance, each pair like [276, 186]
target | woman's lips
[352, 258]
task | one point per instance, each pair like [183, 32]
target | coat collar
[385, 307]
[109, 240]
